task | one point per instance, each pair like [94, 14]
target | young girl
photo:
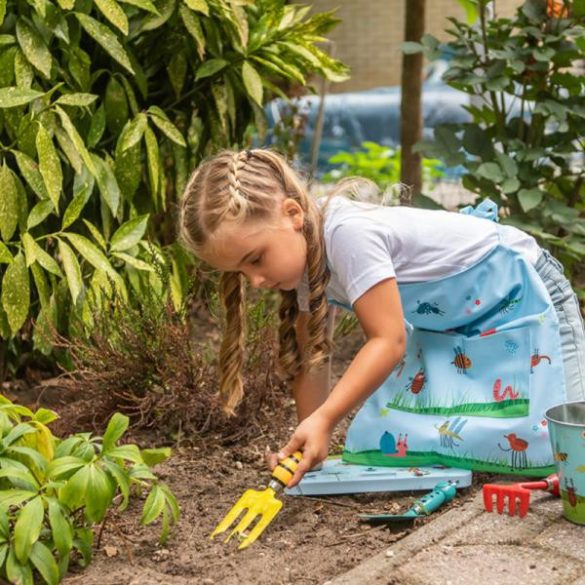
[472, 330]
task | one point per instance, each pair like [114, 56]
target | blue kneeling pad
[338, 477]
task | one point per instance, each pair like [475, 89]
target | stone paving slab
[467, 545]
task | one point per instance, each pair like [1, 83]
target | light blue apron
[482, 365]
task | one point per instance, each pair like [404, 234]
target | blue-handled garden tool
[442, 493]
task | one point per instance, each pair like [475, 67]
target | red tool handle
[550, 484]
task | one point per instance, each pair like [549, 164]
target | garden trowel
[442, 493]
[261, 505]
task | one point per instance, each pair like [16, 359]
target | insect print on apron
[482, 365]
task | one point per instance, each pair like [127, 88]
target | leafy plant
[380, 164]
[105, 106]
[53, 491]
[524, 146]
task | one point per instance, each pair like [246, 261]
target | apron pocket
[485, 376]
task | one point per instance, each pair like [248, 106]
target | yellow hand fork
[259, 503]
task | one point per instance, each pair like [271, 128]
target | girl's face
[270, 253]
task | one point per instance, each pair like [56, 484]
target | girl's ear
[294, 212]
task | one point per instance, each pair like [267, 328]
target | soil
[311, 541]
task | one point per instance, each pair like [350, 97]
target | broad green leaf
[15, 497]
[16, 476]
[177, 72]
[72, 270]
[154, 505]
[30, 171]
[134, 262]
[8, 203]
[49, 166]
[252, 82]
[11, 97]
[28, 528]
[33, 46]
[193, 26]
[5, 255]
[153, 159]
[40, 255]
[82, 188]
[76, 139]
[128, 168]
[510, 185]
[529, 198]
[96, 234]
[167, 127]
[144, 4]
[165, 9]
[121, 477]
[63, 465]
[66, 4]
[491, 171]
[74, 493]
[60, 527]
[23, 72]
[45, 416]
[198, 6]
[132, 133]
[171, 501]
[100, 491]
[106, 39]
[68, 148]
[153, 457]
[117, 426]
[29, 245]
[112, 11]
[2, 15]
[43, 560]
[107, 184]
[129, 234]
[17, 572]
[39, 213]
[16, 293]
[128, 452]
[210, 67]
[116, 106]
[77, 99]
[97, 126]
[90, 252]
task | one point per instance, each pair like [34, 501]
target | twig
[356, 534]
[326, 501]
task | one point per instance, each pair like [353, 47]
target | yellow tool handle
[286, 468]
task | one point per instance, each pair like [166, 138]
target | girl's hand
[312, 437]
[270, 458]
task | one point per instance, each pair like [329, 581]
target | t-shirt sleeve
[359, 255]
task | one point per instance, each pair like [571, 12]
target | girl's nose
[257, 280]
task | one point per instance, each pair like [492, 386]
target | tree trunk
[411, 120]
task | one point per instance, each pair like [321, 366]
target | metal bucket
[567, 435]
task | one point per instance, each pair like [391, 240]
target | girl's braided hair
[240, 186]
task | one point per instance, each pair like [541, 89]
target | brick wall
[368, 39]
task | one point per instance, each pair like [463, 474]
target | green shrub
[524, 146]
[380, 164]
[105, 106]
[53, 491]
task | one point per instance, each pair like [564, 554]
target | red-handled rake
[517, 495]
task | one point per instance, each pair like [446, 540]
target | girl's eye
[256, 260]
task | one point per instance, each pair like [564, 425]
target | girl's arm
[379, 312]
[309, 389]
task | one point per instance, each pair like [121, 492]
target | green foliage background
[524, 146]
[105, 107]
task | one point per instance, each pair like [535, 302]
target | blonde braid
[289, 355]
[318, 344]
[232, 293]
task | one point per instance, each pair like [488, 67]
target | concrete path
[468, 546]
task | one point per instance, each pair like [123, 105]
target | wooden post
[411, 119]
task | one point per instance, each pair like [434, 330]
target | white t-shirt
[366, 244]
